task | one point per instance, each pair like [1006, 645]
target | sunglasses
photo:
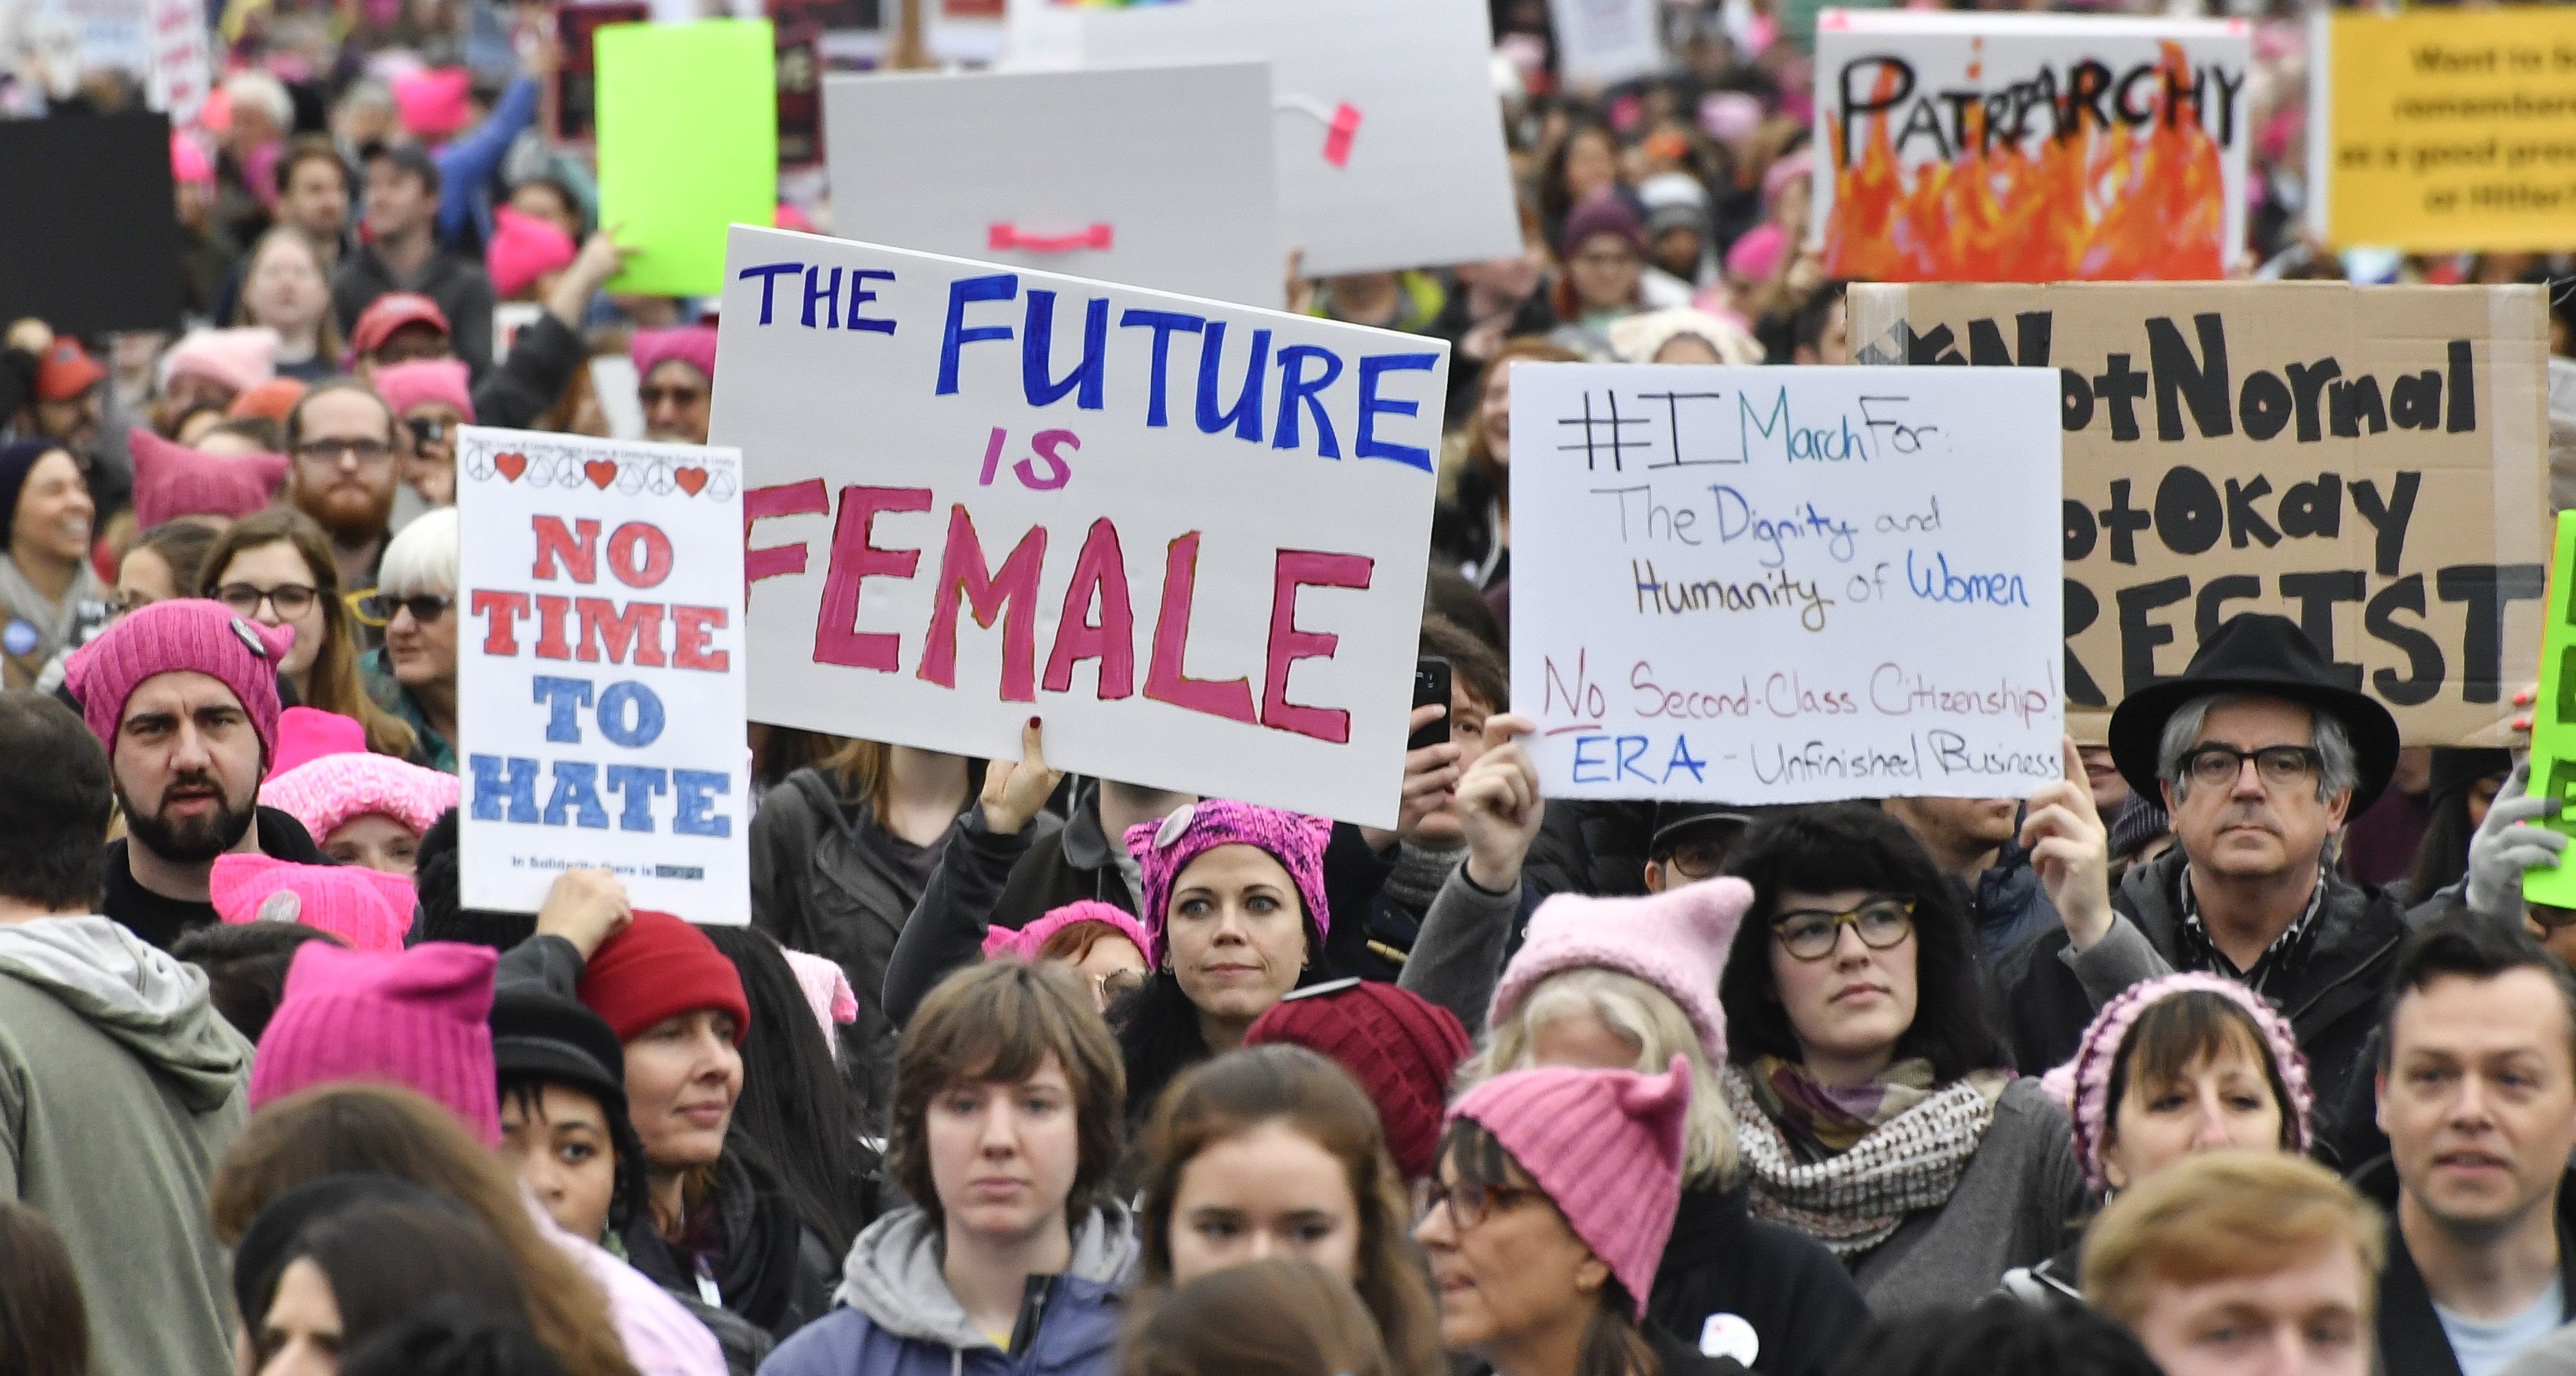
[378, 608]
[426, 429]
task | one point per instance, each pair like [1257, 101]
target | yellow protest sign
[2446, 129]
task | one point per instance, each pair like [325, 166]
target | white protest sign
[980, 166]
[182, 70]
[1389, 135]
[600, 671]
[1189, 536]
[1605, 42]
[1786, 585]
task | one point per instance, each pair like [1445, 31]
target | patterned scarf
[1902, 1146]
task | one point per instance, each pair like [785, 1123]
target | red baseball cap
[391, 312]
[67, 371]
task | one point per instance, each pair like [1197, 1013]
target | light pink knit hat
[369, 909]
[2084, 1083]
[325, 793]
[419, 1018]
[1675, 940]
[1025, 942]
[236, 359]
[1606, 1145]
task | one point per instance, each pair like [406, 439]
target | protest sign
[600, 671]
[2434, 130]
[91, 198]
[1390, 155]
[688, 143]
[2366, 460]
[182, 70]
[981, 167]
[2029, 148]
[1604, 42]
[2553, 717]
[1785, 585]
[1188, 535]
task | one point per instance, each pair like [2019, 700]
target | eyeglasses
[369, 453]
[2276, 765]
[290, 599]
[1704, 857]
[426, 429]
[1813, 933]
[1469, 1205]
[1116, 984]
[378, 608]
[677, 396]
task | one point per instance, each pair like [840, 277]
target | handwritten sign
[2029, 148]
[1604, 42]
[2367, 460]
[1785, 585]
[1189, 536]
[2450, 129]
[600, 670]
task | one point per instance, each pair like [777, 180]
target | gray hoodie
[120, 1087]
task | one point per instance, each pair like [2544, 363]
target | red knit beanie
[1401, 1048]
[661, 967]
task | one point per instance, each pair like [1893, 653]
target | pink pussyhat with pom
[1024, 943]
[1163, 849]
[1606, 1146]
[369, 909]
[2084, 1083]
[1675, 940]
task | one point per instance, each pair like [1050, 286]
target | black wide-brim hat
[2259, 656]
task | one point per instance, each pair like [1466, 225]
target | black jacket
[458, 285]
[769, 1267]
[1722, 1260]
[1591, 847]
[965, 897]
[2411, 1340]
[2330, 991]
[162, 921]
[543, 358]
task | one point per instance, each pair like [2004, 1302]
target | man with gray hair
[2261, 752]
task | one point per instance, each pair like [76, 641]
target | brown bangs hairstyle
[332, 684]
[1225, 1098]
[2221, 1215]
[1072, 942]
[996, 1023]
[2174, 1033]
[337, 1129]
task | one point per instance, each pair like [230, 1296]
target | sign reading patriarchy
[1189, 536]
[1786, 585]
[2366, 460]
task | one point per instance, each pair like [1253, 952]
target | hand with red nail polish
[1014, 793]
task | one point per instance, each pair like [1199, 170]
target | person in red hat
[402, 254]
[53, 389]
[399, 327]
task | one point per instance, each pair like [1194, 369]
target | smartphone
[1430, 687]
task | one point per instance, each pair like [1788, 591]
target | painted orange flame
[2121, 204]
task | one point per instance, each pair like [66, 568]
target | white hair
[2337, 769]
[422, 558]
[261, 92]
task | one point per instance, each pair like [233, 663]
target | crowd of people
[2235, 1049]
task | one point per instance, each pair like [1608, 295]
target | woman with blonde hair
[286, 287]
[275, 567]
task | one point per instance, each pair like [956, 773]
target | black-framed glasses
[290, 599]
[1470, 1205]
[369, 452]
[378, 608]
[2276, 765]
[1813, 933]
[426, 429]
[1704, 856]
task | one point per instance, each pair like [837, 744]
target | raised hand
[1013, 793]
[2070, 850]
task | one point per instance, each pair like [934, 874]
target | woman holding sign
[1873, 1104]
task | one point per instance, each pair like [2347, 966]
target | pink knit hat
[172, 480]
[239, 359]
[418, 1018]
[1025, 942]
[432, 102]
[406, 385]
[1606, 1145]
[1776, 178]
[694, 345]
[2084, 1083]
[368, 909]
[522, 249]
[1675, 940]
[1163, 849]
[827, 989]
[325, 793]
[184, 633]
[1758, 251]
[188, 161]
[306, 734]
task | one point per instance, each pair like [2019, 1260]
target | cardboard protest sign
[600, 671]
[2553, 716]
[88, 224]
[688, 144]
[981, 167]
[1389, 151]
[1785, 585]
[2434, 130]
[2029, 148]
[1190, 536]
[2366, 460]
[1605, 42]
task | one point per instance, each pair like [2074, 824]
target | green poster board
[2553, 717]
[688, 144]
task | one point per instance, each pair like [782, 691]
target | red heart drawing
[511, 465]
[601, 472]
[690, 479]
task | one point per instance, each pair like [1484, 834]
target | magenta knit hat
[325, 793]
[1676, 941]
[2084, 1083]
[368, 909]
[418, 1018]
[1401, 1047]
[694, 345]
[306, 734]
[1163, 849]
[172, 480]
[406, 385]
[1606, 1145]
[184, 633]
[1025, 942]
